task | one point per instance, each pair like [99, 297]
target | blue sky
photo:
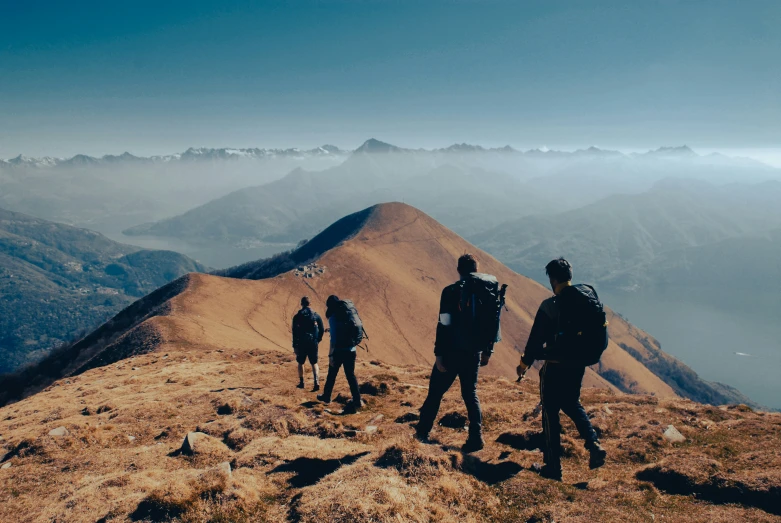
[157, 77]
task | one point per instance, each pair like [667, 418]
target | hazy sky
[158, 77]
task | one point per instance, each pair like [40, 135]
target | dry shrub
[374, 388]
[273, 419]
[364, 493]
[25, 448]
[210, 495]
[219, 427]
[239, 438]
[414, 461]
[208, 451]
[178, 497]
[244, 499]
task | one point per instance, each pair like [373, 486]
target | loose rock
[673, 435]
[225, 467]
[58, 432]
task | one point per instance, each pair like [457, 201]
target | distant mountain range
[191, 154]
[195, 154]
[57, 281]
[637, 241]
[302, 203]
[466, 187]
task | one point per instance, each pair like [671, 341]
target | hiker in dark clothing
[560, 378]
[307, 334]
[460, 352]
[346, 332]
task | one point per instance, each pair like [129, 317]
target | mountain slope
[57, 280]
[391, 259]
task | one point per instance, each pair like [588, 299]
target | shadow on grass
[309, 471]
[522, 441]
[150, 511]
[490, 473]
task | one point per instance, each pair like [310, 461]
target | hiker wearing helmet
[569, 333]
[346, 331]
[307, 334]
[467, 330]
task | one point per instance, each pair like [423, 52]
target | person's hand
[484, 358]
[440, 365]
[521, 370]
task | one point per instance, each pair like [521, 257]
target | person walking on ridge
[569, 333]
[307, 334]
[468, 328]
[346, 331]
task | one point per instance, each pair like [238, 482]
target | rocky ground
[112, 445]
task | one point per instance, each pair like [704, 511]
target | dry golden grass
[294, 459]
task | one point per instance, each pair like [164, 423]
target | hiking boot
[597, 456]
[321, 397]
[316, 387]
[351, 408]
[422, 437]
[300, 385]
[546, 471]
[473, 444]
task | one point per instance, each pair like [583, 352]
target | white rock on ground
[673, 435]
[58, 432]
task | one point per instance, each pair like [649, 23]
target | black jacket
[307, 314]
[450, 337]
[543, 333]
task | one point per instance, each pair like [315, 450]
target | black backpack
[306, 332]
[582, 335]
[480, 309]
[350, 331]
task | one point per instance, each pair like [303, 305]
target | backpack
[350, 331]
[479, 311]
[582, 335]
[306, 332]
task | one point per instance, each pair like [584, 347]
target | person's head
[559, 272]
[305, 301]
[332, 300]
[467, 264]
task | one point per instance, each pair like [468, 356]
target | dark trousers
[560, 391]
[344, 359]
[466, 368]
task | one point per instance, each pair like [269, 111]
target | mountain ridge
[392, 260]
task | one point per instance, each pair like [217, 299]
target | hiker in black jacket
[560, 378]
[307, 334]
[346, 330]
[458, 353]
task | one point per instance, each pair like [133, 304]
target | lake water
[736, 350]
